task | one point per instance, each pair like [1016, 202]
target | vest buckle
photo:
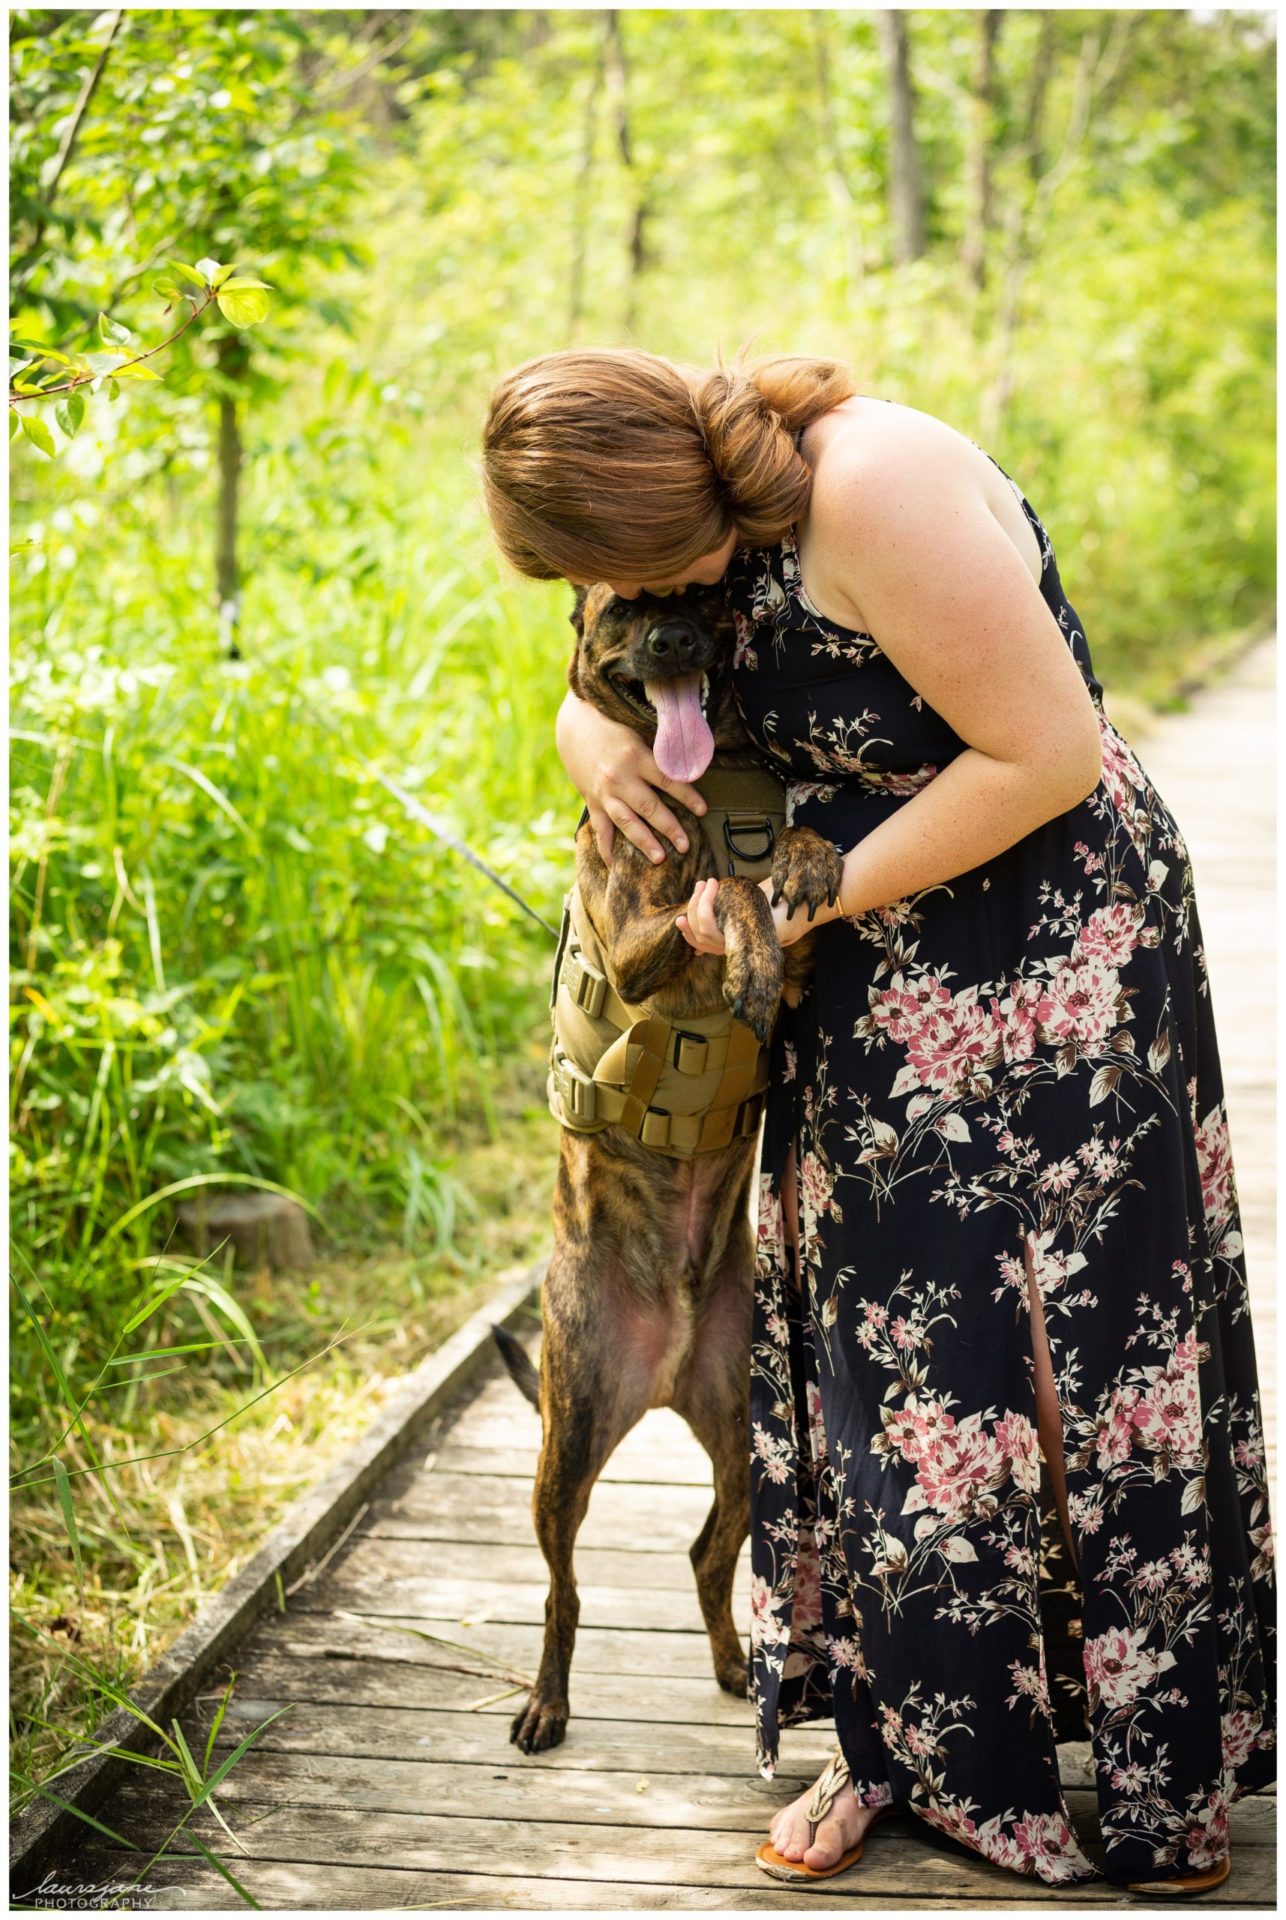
[576, 1091]
[586, 985]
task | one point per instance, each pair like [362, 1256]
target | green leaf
[211, 272]
[243, 303]
[227, 1873]
[41, 352]
[217, 1779]
[15, 422]
[189, 274]
[112, 333]
[218, 1721]
[135, 372]
[165, 289]
[113, 389]
[69, 1520]
[38, 433]
[80, 1814]
[69, 413]
[191, 1771]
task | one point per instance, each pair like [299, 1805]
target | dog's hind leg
[590, 1397]
[713, 1395]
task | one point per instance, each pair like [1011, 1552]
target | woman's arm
[613, 770]
[947, 596]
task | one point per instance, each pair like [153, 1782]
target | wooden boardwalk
[390, 1782]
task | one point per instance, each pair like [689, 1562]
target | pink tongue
[684, 743]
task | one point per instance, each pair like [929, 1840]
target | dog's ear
[577, 618]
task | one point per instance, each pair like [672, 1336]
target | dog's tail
[518, 1362]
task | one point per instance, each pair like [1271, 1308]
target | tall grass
[236, 951]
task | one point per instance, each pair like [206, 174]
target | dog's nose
[673, 643]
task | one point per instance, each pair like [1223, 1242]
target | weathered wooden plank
[653, 1439]
[442, 1505]
[382, 1562]
[599, 1650]
[895, 1861]
[511, 1460]
[661, 1430]
[477, 1739]
[481, 1601]
[377, 1684]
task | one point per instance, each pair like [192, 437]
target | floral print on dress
[1004, 1082]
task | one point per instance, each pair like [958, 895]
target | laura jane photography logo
[85, 1896]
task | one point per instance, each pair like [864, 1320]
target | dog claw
[539, 1726]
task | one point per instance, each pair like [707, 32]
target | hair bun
[749, 443]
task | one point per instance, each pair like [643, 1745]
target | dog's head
[663, 665]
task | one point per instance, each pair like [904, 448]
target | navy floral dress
[1015, 1069]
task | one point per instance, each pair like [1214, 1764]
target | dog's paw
[540, 1725]
[752, 992]
[733, 1676]
[806, 870]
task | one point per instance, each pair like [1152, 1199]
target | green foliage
[234, 949]
[242, 302]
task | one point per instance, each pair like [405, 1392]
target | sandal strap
[834, 1777]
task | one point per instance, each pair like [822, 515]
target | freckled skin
[647, 1300]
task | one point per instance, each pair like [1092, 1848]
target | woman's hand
[700, 929]
[613, 770]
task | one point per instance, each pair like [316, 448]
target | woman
[996, 1157]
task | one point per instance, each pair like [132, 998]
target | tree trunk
[232, 357]
[973, 250]
[837, 181]
[906, 181]
[580, 214]
[617, 81]
[1098, 64]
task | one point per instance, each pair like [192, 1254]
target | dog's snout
[673, 643]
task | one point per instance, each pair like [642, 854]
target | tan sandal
[777, 1865]
[1190, 1883]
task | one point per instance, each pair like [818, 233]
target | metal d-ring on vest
[680, 1089]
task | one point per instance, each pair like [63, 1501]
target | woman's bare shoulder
[866, 441]
[860, 453]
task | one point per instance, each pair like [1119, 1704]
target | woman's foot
[1190, 1883]
[841, 1827]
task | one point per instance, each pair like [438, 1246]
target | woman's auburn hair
[612, 463]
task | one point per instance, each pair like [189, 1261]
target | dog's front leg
[637, 908]
[752, 968]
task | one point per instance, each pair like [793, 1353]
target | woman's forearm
[974, 809]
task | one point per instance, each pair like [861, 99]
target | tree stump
[265, 1229]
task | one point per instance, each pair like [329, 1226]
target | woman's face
[702, 572]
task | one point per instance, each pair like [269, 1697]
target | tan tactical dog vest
[679, 1089]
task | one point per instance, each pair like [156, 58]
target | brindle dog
[647, 1299]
